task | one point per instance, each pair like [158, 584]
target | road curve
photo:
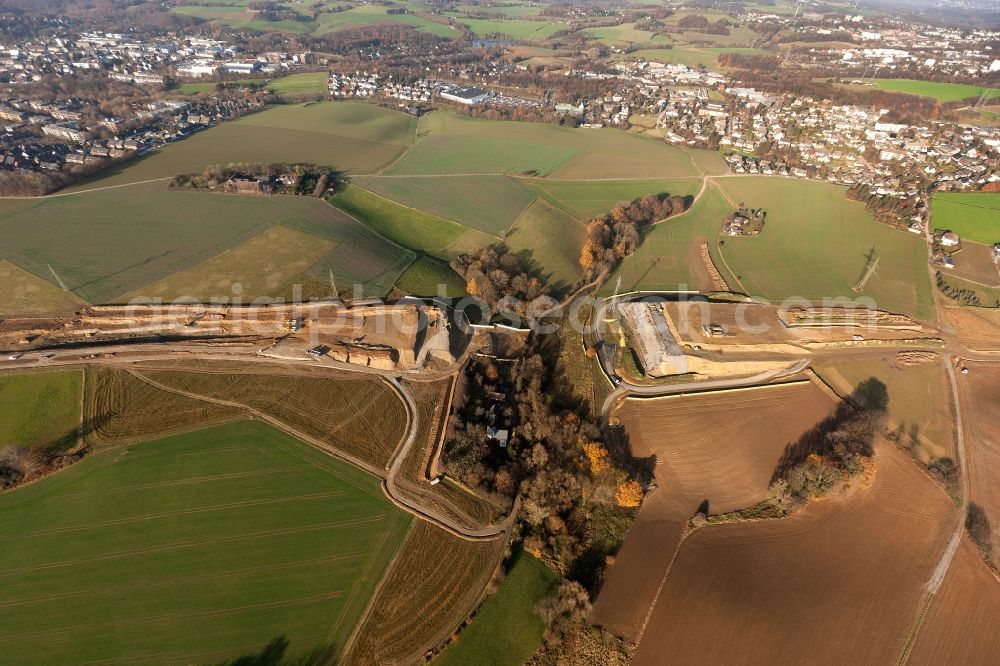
[426, 513]
[627, 390]
[70, 357]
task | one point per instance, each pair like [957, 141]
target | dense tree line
[516, 113]
[500, 278]
[698, 23]
[614, 236]
[568, 479]
[811, 37]
[303, 179]
[977, 524]
[891, 210]
[960, 294]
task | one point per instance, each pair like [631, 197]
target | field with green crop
[196, 548]
[943, 92]
[209, 86]
[487, 203]
[372, 15]
[586, 200]
[407, 226]
[265, 266]
[39, 408]
[431, 277]
[692, 56]
[668, 255]
[303, 83]
[507, 629]
[24, 293]
[973, 216]
[453, 144]
[107, 243]
[551, 240]
[518, 29]
[353, 137]
[625, 33]
[239, 17]
[814, 245]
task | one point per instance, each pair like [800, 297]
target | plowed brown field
[838, 583]
[961, 625]
[979, 392]
[721, 447]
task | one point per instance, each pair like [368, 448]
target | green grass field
[668, 255]
[551, 240]
[518, 29]
[209, 86]
[264, 266]
[453, 144]
[431, 277]
[351, 136]
[406, 226]
[24, 293]
[373, 14]
[129, 237]
[487, 203]
[692, 56]
[507, 630]
[506, 10]
[239, 17]
[626, 33]
[39, 408]
[814, 246]
[303, 83]
[973, 216]
[943, 92]
[195, 548]
[586, 200]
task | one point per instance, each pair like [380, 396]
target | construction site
[390, 336]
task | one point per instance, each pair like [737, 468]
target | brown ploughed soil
[961, 625]
[837, 583]
[721, 447]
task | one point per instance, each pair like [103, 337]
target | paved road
[626, 390]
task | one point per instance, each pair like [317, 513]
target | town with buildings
[499, 332]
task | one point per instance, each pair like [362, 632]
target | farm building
[735, 226]
[245, 185]
[950, 239]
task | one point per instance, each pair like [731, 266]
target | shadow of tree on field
[272, 654]
[275, 653]
[851, 428]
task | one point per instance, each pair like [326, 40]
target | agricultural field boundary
[388, 475]
[256, 414]
[413, 208]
